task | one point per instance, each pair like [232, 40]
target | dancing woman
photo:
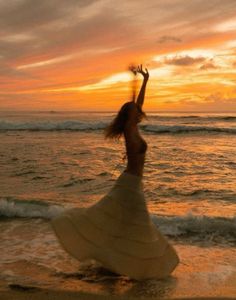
[117, 231]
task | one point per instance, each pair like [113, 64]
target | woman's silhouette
[118, 231]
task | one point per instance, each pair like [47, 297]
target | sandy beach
[212, 280]
[65, 295]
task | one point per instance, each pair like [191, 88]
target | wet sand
[66, 295]
[207, 275]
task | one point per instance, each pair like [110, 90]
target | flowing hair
[116, 129]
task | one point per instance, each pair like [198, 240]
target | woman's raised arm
[141, 95]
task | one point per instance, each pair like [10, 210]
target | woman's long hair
[117, 126]
[116, 129]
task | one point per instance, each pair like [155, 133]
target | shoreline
[45, 294]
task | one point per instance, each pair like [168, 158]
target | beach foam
[186, 129]
[93, 126]
[193, 227]
[11, 208]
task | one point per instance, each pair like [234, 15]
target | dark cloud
[213, 102]
[8, 71]
[184, 60]
[14, 49]
[32, 31]
[169, 39]
[29, 29]
[106, 29]
[26, 15]
[189, 102]
[208, 66]
[219, 101]
[69, 34]
[219, 98]
[58, 27]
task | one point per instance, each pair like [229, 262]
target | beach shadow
[115, 284]
[161, 288]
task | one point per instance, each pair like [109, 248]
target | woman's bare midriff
[136, 148]
[135, 163]
[136, 157]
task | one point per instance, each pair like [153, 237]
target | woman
[118, 231]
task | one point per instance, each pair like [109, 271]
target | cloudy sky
[74, 54]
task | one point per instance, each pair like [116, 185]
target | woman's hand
[132, 68]
[145, 74]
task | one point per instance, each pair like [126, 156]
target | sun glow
[77, 55]
[107, 82]
[229, 25]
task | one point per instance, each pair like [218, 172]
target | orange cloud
[73, 54]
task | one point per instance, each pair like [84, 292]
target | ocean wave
[13, 208]
[210, 194]
[198, 228]
[93, 126]
[173, 129]
[193, 227]
[228, 118]
[196, 117]
[52, 126]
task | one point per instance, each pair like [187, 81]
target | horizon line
[113, 111]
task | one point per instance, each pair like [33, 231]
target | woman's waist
[135, 164]
[135, 171]
[136, 161]
[130, 179]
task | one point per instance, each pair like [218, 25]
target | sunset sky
[74, 54]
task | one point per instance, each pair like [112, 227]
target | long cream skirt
[118, 232]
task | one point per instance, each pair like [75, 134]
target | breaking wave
[186, 129]
[199, 228]
[193, 227]
[93, 126]
[13, 208]
[52, 126]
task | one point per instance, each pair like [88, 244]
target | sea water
[52, 161]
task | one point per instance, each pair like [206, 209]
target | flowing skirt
[119, 233]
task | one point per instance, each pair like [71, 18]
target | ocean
[52, 161]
